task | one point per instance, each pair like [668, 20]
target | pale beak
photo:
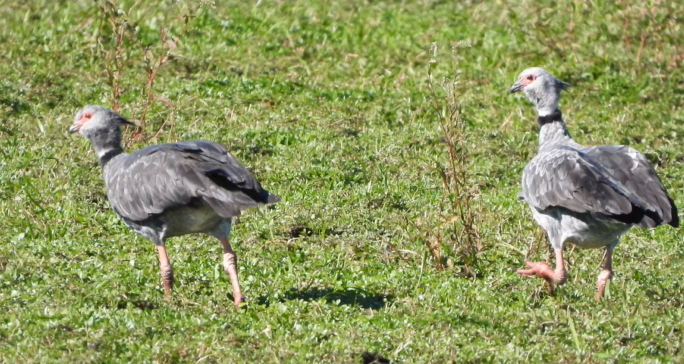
[75, 127]
[517, 87]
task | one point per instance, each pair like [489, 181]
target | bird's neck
[545, 100]
[106, 145]
[108, 155]
[552, 128]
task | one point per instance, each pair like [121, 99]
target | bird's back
[571, 203]
[162, 178]
[612, 182]
[635, 173]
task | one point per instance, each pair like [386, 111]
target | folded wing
[634, 172]
[571, 179]
[155, 179]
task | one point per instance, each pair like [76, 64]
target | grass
[327, 102]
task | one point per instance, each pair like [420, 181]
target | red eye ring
[87, 115]
[531, 77]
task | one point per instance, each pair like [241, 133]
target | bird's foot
[603, 279]
[542, 270]
[167, 291]
[240, 301]
[167, 279]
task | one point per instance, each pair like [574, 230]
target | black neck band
[546, 119]
[109, 155]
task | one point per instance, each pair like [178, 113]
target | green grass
[327, 103]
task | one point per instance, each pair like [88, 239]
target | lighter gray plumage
[170, 190]
[544, 92]
[588, 196]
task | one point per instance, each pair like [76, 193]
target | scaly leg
[166, 270]
[542, 270]
[606, 274]
[230, 266]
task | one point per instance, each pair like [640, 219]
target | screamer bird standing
[588, 196]
[170, 190]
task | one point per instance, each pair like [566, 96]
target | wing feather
[636, 174]
[570, 179]
[155, 179]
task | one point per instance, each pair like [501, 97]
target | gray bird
[588, 196]
[171, 190]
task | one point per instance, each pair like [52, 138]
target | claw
[605, 275]
[240, 302]
[603, 280]
[542, 270]
[539, 269]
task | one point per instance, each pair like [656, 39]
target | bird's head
[541, 88]
[93, 120]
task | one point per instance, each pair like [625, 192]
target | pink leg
[230, 266]
[605, 275]
[542, 270]
[166, 270]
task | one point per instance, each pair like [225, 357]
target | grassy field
[328, 103]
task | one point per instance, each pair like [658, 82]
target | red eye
[530, 77]
[87, 115]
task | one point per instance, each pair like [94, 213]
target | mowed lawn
[328, 103]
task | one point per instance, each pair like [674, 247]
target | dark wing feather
[567, 178]
[634, 172]
[155, 179]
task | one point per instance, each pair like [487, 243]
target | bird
[169, 190]
[587, 196]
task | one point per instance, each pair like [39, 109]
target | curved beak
[517, 87]
[75, 127]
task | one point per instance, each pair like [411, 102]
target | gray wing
[634, 172]
[569, 179]
[155, 179]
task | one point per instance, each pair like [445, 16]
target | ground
[327, 102]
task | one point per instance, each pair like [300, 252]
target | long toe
[603, 279]
[240, 302]
[541, 270]
[167, 292]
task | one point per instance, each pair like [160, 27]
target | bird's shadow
[350, 297]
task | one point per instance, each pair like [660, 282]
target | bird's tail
[268, 198]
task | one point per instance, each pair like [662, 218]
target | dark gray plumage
[588, 196]
[571, 178]
[159, 178]
[170, 190]
[635, 174]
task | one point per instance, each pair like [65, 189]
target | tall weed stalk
[122, 51]
[455, 230]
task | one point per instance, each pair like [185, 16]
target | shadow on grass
[370, 358]
[143, 305]
[351, 297]
[664, 296]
